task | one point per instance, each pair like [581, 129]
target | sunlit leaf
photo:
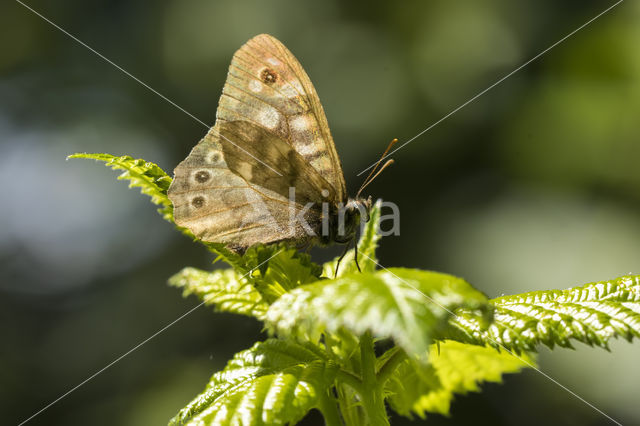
[591, 314]
[226, 290]
[408, 305]
[277, 268]
[275, 382]
[454, 368]
[319, 320]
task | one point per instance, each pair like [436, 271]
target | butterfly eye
[197, 202]
[202, 176]
[268, 76]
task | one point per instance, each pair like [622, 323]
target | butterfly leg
[344, 252]
[355, 247]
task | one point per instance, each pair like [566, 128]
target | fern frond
[591, 314]
[274, 382]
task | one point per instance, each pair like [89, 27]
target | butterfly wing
[270, 135]
[263, 159]
[267, 86]
[218, 205]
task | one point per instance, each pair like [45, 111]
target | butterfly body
[268, 170]
[344, 222]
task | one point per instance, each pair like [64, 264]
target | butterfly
[268, 159]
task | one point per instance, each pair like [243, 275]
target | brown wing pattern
[270, 135]
[279, 168]
[218, 205]
[267, 86]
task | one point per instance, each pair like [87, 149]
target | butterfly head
[359, 208]
[349, 218]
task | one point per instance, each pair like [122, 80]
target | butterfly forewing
[266, 85]
[280, 168]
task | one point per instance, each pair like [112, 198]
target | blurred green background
[535, 185]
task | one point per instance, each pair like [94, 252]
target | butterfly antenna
[370, 179]
[393, 142]
[387, 164]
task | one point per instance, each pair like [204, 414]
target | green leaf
[591, 314]
[408, 305]
[226, 290]
[270, 272]
[367, 246]
[274, 382]
[277, 269]
[154, 182]
[454, 368]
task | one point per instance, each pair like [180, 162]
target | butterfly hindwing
[219, 206]
[267, 86]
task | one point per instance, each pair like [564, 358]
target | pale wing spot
[298, 87]
[273, 61]
[269, 117]
[302, 135]
[255, 86]
[306, 150]
[301, 123]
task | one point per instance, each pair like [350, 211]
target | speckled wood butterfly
[268, 170]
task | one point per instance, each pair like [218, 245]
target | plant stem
[349, 379]
[329, 409]
[372, 399]
[390, 365]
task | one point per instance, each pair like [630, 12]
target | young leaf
[367, 246]
[154, 182]
[454, 368]
[591, 314]
[274, 382]
[408, 305]
[277, 269]
[226, 290]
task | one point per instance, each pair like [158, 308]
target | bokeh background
[535, 185]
